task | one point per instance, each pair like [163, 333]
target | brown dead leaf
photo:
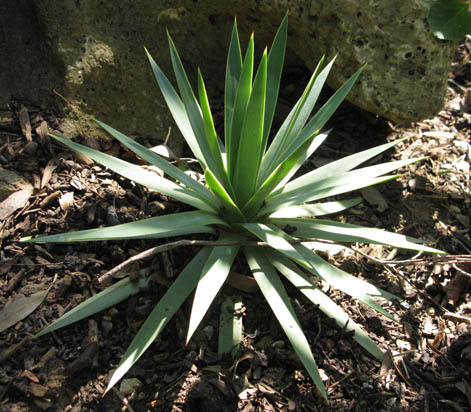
[38, 390]
[242, 282]
[21, 307]
[25, 124]
[456, 288]
[374, 198]
[15, 201]
[31, 376]
[49, 198]
[42, 131]
[50, 167]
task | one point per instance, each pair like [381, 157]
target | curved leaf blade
[244, 91]
[276, 239]
[295, 121]
[233, 72]
[319, 120]
[351, 285]
[301, 196]
[276, 59]
[339, 167]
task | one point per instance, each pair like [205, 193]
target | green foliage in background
[251, 193]
[450, 19]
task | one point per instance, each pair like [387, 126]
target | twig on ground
[186, 242]
[169, 246]
[424, 261]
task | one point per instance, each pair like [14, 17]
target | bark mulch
[428, 362]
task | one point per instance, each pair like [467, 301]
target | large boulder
[91, 52]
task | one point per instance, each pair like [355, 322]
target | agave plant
[251, 193]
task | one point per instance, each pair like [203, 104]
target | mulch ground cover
[428, 352]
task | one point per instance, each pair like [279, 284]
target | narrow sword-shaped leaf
[176, 224]
[309, 183]
[321, 117]
[277, 240]
[281, 173]
[311, 148]
[296, 276]
[351, 285]
[339, 167]
[107, 298]
[211, 136]
[161, 314]
[213, 276]
[230, 326]
[250, 145]
[140, 175]
[300, 196]
[177, 108]
[276, 296]
[345, 232]
[244, 90]
[231, 210]
[192, 107]
[276, 59]
[317, 209]
[168, 168]
[295, 121]
[233, 71]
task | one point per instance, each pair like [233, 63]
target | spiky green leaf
[276, 296]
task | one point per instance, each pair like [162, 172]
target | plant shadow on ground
[69, 370]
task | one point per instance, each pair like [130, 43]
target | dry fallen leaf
[42, 131]
[21, 307]
[50, 167]
[164, 151]
[25, 124]
[14, 202]
[374, 198]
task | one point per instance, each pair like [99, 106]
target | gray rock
[11, 182]
[91, 52]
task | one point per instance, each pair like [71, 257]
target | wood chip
[47, 174]
[42, 130]
[25, 124]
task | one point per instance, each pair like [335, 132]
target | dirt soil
[428, 362]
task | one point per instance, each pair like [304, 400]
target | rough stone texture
[11, 182]
[92, 53]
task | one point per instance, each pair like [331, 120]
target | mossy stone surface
[92, 53]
